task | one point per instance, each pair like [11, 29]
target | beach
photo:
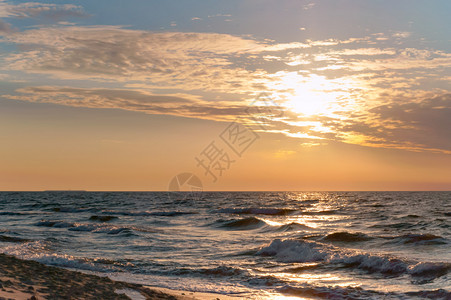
[22, 279]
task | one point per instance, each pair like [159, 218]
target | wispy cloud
[184, 105]
[173, 59]
[34, 9]
[188, 60]
[365, 90]
[418, 125]
[5, 27]
[309, 6]
[220, 16]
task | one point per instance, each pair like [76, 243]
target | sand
[188, 295]
[22, 279]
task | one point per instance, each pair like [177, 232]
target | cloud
[366, 51]
[401, 34]
[354, 90]
[160, 59]
[424, 123]
[35, 9]
[183, 105]
[220, 16]
[5, 27]
[190, 61]
[418, 124]
[308, 6]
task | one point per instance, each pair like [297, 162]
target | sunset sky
[245, 94]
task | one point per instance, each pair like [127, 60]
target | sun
[308, 102]
[310, 95]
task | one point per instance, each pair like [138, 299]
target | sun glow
[310, 95]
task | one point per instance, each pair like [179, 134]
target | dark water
[332, 245]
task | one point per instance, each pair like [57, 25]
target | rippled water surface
[352, 245]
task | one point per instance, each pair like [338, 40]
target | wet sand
[187, 295]
[22, 279]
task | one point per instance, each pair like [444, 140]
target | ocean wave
[419, 239]
[9, 213]
[220, 271]
[223, 271]
[56, 224]
[172, 213]
[302, 268]
[293, 226]
[102, 218]
[357, 293]
[257, 211]
[13, 213]
[99, 229]
[42, 252]
[38, 251]
[27, 249]
[400, 225]
[411, 217]
[265, 281]
[89, 264]
[293, 250]
[72, 210]
[301, 251]
[373, 263]
[242, 224]
[435, 294]
[96, 228]
[68, 261]
[345, 236]
[316, 292]
[320, 212]
[250, 223]
[12, 239]
[149, 213]
[428, 271]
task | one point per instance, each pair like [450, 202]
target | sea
[250, 245]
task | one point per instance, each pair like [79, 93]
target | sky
[298, 95]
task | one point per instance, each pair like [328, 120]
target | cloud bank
[368, 90]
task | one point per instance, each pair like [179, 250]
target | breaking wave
[293, 226]
[243, 224]
[357, 293]
[301, 251]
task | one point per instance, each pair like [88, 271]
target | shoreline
[188, 295]
[26, 279]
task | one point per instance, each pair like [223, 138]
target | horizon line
[208, 191]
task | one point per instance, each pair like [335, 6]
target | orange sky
[294, 95]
